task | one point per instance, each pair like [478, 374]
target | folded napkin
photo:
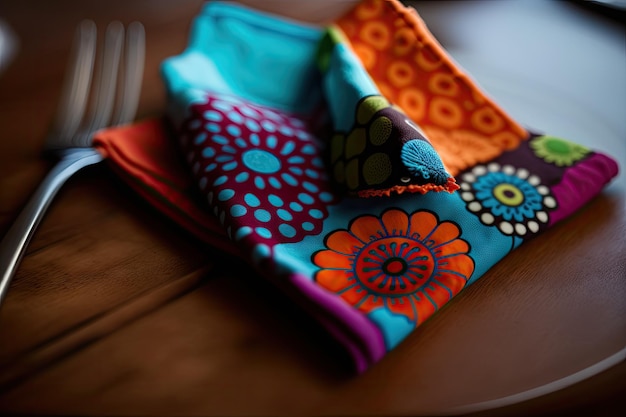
[375, 149]
[281, 129]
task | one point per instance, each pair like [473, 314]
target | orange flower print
[409, 264]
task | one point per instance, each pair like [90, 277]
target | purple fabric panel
[581, 183]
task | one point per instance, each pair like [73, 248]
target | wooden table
[116, 311]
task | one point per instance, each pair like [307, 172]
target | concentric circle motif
[393, 266]
[410, 264]
[512, 199]
[260, 170]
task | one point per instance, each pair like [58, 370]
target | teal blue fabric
[345, 73]
[234, 51]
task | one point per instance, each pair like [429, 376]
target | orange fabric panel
[414, 72]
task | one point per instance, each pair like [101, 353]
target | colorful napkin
[265, 112]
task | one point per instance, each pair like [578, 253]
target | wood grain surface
[116, 311]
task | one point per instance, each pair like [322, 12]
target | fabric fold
[376, 149]
[415, 72]
[266, 146]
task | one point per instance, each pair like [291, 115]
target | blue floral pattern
[512, 199]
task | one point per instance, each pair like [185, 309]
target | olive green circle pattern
[361, 157]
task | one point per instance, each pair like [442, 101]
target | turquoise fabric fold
[263, 59]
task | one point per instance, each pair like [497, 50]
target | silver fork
[71, 135]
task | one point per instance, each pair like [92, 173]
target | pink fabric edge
[581, 183]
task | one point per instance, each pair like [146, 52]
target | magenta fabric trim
[581, 183]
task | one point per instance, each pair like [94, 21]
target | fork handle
[14, 243]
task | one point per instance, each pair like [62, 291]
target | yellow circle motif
[376, 34]
[368, 107]
[444, 84]
[413, 102]
[380, 130]
[508, 194]
[445, 112]
[487, 120]
[404, 38]
[355, 142]
[377, 168]
[428, 60]
[400, 74]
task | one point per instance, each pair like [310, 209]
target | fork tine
[75, 92]
[133, 74]
[104, 94]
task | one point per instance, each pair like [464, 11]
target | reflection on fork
[114, 94]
